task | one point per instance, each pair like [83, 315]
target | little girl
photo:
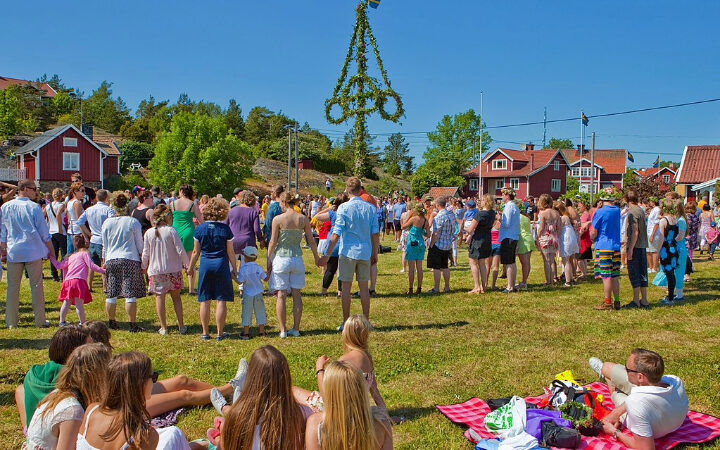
[75, 289]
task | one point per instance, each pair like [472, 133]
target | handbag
[554, 435]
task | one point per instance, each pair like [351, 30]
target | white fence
[9, 174]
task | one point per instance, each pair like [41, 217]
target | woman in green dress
[184, 210]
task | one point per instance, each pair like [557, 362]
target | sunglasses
[154, 377]
[631, 370]
[33, 188]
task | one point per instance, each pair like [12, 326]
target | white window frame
[586, 172]
[70, 142]
[515, 183]
[556, 166]
[474, 184]
[68, 158]
[499, 184]
[555, 182]
[499, 164]
[666, 179]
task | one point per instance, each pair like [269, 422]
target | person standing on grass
[328, 217]
[218, 266]
[398, 209]
[91, 223]
[548, 225]
[418, 228]
[273, 210]
[585, 253]
[356, 228]
[479, 240]
[122, 247]
[24, 235]
[606, 233]
[163, 259]
[252, 276]
[441, 243]
[185, 214]
[75, 289]
[654, 240]
[55, 214]
[509, 237]
[526, 245]
[244, 221]
[74, 209]
[568, 244]
[636, 250]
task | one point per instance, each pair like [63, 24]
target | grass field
[428, 350]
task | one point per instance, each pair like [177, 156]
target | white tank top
[51, 210]
[74, 228]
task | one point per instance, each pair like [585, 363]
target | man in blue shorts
[606, 233]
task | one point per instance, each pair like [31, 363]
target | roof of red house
[613, 161]
[536, 159]
[50, 135]
[107, 141]
[651, 172]
[6, 82]
[436, 192]
[700, 163]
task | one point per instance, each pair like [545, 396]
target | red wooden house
[610, 167]
[663, 176]
[44, 90]
[530, 172]
[52, 157]
[700, 164]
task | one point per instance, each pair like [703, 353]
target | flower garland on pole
[360, 96]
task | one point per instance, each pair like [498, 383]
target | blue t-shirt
[607, 224]
[471, 213]
[213, 238]
[398, 209]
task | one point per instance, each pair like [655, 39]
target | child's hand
[321, 362]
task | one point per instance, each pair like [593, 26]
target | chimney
[530, 147]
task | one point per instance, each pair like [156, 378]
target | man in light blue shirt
[398, 209]
[441, 242]
[357, 229]
[509, 237]
[25, 236]
[91, 222]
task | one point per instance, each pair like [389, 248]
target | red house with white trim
[700, 164]
[610, 167]
[663, 176]
[530, 172]
[52, 157]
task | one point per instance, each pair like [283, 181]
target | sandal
[205, 337]
[245, 337]
[409, 292]
[418, 291]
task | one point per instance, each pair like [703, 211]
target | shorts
[587, 254]
[638, 268]
[349, 268]
[495, 250]
[288, 272]
[438, 259]
[390, 226]
[508, 248]
[607, 263]
[654, 245]
[397, 225]
[96, 251]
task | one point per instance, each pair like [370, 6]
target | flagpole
[480, 185]
[592, 170]
[582, 145]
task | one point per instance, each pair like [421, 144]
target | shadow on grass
[426, 326]
[409, 414]
[7, 399]
[24, 344]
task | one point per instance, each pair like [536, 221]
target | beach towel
[698, 428]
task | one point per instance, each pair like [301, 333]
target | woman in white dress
[568, 244]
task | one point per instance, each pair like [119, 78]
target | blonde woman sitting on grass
[348, 421]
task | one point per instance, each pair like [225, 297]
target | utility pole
[289, 168]
[582, 145]
[297, 162]
[544, 126]
[592, 169]
[480, 182]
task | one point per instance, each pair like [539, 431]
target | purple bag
[536, 417]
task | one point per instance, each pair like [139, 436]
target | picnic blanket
[697, 428]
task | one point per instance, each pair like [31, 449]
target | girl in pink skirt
[75, 290]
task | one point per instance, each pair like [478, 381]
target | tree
[234, 119]
[452, 152]
[135, 153]
[630, 178]
[572, 184]
[669, 163]
[560, 143]
[10, 119]
[199, 149]
[101, 110]
[396, 157]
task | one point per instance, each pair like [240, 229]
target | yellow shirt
[701, 204]
[297, 209]
[264, 209]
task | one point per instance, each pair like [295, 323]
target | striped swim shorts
[607, 263]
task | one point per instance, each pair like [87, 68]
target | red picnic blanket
[697, 428]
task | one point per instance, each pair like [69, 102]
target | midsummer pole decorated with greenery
[360, 95]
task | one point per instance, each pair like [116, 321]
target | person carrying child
[75, 290]
[713, 237]
[251, 275]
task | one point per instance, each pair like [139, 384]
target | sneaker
[520, 286]
[239, 381]
[667, 302]
[223, 336]
[605, 307]
[46, 324]
[62, 324]
[617, 305]
[163, 331]
[205, 337]
[596, 365]
[218, 400]
[341, 328]
[631, 305]
[134, 328]
[293, 333]
[373, 293]
[183, 329]
[113, 325]
[244, 337]
[283, 334]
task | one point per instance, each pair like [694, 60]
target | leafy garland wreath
[377, 97]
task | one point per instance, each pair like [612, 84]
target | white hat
[250, 252]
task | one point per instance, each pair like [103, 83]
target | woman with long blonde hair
[348, 421]
[57, 419]
[266, 415]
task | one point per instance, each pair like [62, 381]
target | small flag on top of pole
[656, 164]
[585, 120]
[374, 3]
[631, 158]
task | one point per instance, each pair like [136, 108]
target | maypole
[360, 96]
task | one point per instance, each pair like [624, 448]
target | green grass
[428, 350]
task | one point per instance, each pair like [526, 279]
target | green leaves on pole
[360, 95]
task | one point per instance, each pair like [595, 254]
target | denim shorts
[638, 268]
[96, 251]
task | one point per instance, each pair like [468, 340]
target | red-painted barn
[51, 158]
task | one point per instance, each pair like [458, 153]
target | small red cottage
[700, 164]
[663, 176]
[610, 167]
[51, 158]
[45, 91]
[530, 172]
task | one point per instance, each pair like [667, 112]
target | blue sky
[567, 56]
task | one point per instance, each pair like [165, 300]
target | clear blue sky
[524, 55]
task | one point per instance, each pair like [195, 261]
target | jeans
[70, 245]
[59, 243]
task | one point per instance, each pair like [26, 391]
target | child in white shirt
[251, 275]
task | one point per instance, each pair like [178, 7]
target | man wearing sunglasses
[649, 404]
[25, 236]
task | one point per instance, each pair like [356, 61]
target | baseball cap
[237, 191]
[250, 251]
[137, 189]
[471, 203]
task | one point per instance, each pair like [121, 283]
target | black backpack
[554, 435]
